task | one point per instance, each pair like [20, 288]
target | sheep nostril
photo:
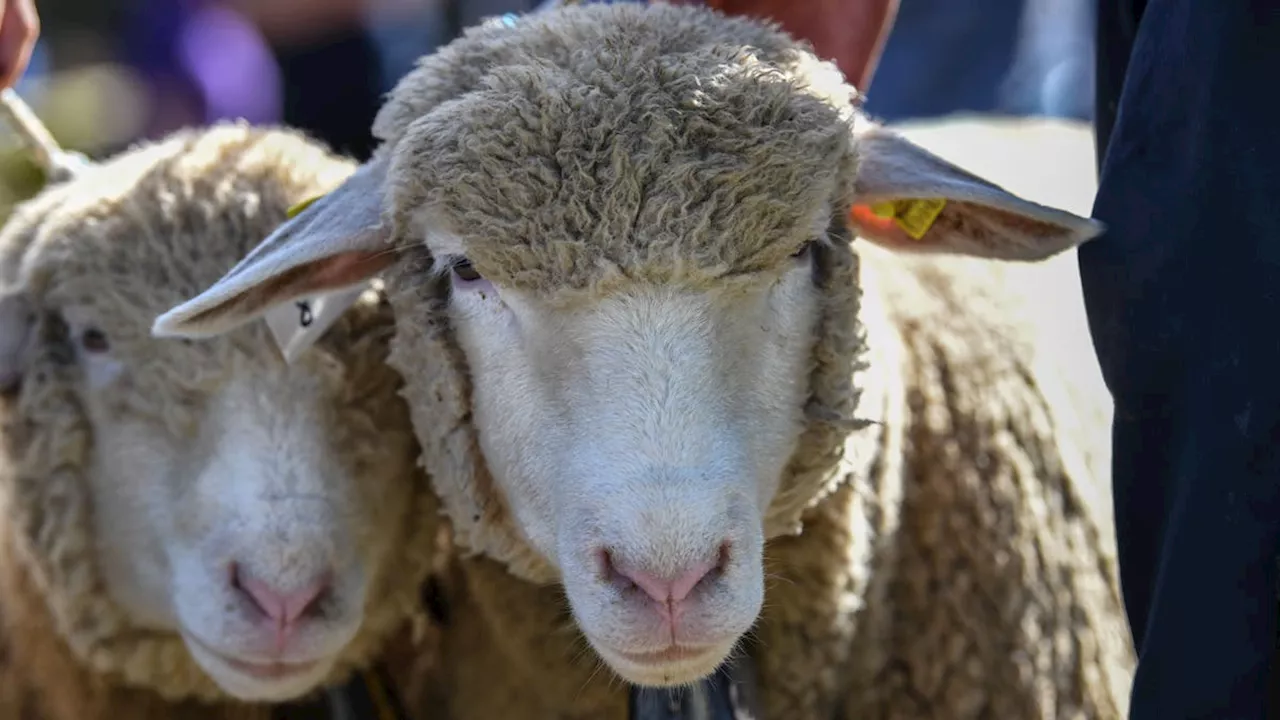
[283, 605]
[607, 571]
[722, 560]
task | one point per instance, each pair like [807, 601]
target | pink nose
[282, 606]
[667, 589]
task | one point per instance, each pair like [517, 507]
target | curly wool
[137, 233]
[936, 563]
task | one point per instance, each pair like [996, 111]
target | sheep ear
[911, 200]
[17, 321]
[303, 275]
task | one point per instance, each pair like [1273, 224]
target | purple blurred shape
[202, 62]
[231, 64]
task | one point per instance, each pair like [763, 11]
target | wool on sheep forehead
[636, 146]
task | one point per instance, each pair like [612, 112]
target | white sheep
[190, 529]
[655, 375]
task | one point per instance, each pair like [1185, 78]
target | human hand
[19, 29]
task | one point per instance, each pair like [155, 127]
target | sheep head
[203, 519]
[619, 250]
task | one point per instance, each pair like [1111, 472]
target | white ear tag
[297, 325]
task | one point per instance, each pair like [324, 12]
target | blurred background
[107, 73]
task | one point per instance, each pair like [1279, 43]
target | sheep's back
[1003, 600]
[995, 590]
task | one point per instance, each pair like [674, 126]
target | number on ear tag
[297, 325]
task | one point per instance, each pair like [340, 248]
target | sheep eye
[94, 341]
[464, 272]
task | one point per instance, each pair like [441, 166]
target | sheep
[713, 373]
[191, 530]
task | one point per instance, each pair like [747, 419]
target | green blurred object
[88, 110]
[20, 179]
[58, 164]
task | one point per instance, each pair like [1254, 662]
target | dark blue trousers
[1183, 295]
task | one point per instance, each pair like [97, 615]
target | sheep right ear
[320, 260]
[17, 322]
[913, 201]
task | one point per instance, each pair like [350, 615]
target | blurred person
[330, 67]
[944, 56]
[405, 30]
[202, 61]
[1053, 64]
[1010, 57]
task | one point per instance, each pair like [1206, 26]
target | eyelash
[464, 272]
[805, 250]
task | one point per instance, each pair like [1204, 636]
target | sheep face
[618, 281]
[639, 438]
[245, 530]
[252, 509]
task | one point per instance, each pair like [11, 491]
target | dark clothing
[334, 86]
[1183, 295]
[331, 90]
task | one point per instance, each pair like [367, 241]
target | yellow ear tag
[914, 215]
[884, 209]
[293, 211]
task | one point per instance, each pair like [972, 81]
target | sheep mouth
[675, 665]
[673, 654]
[269, 670]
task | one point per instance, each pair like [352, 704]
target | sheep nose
[282, 606]
[668, 589]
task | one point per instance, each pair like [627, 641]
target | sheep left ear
[910, 200]
[318, 261]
